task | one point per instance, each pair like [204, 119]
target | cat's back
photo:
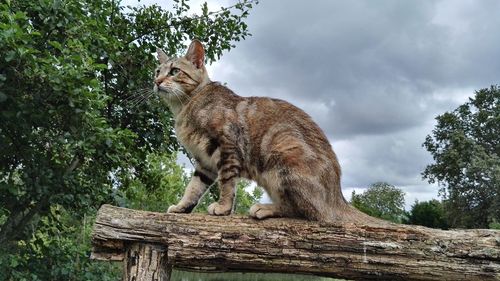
[269, 117]
[263, 120]
[263, 123]
[280, 134]
[214, 96]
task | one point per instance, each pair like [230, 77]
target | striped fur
[266, 140]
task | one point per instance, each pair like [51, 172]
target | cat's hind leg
[298, 194]
[307, 199]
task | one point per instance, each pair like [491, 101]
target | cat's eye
[174, 71]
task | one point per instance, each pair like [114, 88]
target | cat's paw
[217, 209]
[175, 209]
[262, 211]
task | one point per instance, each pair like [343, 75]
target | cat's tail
[346, 213]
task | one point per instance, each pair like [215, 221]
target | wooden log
[360, 252]
[146, 262]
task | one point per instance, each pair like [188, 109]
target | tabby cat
[263, 139]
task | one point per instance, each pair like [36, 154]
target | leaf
[3, 97]
[10, 55]
[14, 262]
[55, 44]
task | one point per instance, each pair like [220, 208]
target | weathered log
[235, 243]
[143, 261]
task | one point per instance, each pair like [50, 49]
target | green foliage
[162, 184]
[57, 250]
[57, 146]
[246, 196]
[381, 200]
[494, 225]
[466, 150]
[430, 213]
[78, 124]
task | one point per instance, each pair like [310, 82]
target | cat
[262, 139]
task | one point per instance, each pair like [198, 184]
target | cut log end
[146, 262]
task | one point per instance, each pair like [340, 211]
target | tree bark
[146, 262]
[351, 251]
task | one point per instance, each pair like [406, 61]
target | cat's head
[177, 78]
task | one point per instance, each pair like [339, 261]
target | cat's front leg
[194, 190]
[226, 198]
[229, 170]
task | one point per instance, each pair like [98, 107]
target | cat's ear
[162, 57]
[196, 54]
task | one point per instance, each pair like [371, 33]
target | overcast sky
[372, 74]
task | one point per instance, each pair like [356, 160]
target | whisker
[137, 102]
[143, 98]
[137, 93]
[142, 90]
[130, 97]
[135, 97]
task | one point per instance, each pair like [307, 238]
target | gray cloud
[375, 65]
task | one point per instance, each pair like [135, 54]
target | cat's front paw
[175, 209]
[217, 209]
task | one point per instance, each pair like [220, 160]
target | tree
[76, 123]
[466, 151]
[243, 201]
[429, 213]
[381, 200]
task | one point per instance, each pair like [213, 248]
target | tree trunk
[350, 251]
[146, 262]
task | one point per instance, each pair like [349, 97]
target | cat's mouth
[169, 92]
[161, 88]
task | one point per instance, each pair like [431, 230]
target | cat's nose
[158, 81]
